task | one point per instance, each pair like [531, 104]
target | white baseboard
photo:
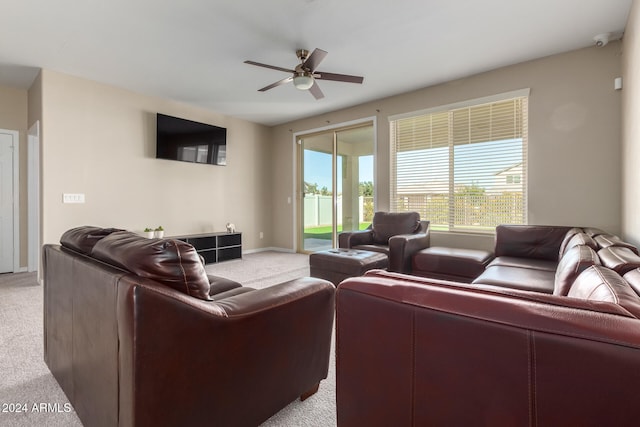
[275, 249]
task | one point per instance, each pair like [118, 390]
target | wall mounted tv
[189, 141]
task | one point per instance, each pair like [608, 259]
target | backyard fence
[318, 210]
[468, 210]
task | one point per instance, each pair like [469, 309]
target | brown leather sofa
[413, 351]
[548, 258]
[399, 235]
[137, 334]
[538, 258]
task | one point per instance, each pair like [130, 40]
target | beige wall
[100, 140]
[13, 116]
[631, 127]
[574, 140]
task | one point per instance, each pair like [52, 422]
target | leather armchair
[136, 335]
[397, 234]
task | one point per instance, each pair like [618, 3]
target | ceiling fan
[304, 76]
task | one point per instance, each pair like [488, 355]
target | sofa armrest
[349, 239]
[185, 361]
[448, 345]
[402, 248]
[262, 300]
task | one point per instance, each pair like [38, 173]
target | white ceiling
[193, 50]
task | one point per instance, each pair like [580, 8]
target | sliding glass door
[335, 184]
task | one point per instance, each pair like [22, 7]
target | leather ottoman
[336, 265]
[461, 265]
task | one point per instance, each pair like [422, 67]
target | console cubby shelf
[215, 247]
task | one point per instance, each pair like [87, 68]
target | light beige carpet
[262, 269]
[26, 382]
[29, 394]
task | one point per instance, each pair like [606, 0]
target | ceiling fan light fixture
[305, 74]
[303, 81]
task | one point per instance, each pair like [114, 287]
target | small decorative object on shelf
[149, 233]
[158, 232]
[231, 227]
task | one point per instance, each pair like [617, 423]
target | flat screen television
[189, 141]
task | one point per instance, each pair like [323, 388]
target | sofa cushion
[607, 240]
[529, 241]
[383, 249]
[388, 224]
[633, 279]
[593, 231]
[231, 293]
[574, 262]
[567, 237]
[532, 263]
[620, 259]
[219, 284]
[581, 239]
[82, 239]
[598, 283]
[172, 262]
[517, 278]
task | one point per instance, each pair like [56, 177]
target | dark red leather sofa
[414, 351]
[547, 259]
[137, 334]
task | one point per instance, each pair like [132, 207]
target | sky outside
[317, 169]
[426, 170]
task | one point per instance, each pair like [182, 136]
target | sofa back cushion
[594, 231]
[633, 279]
[529, 241]
[574, 262]
[83, 239]
[388, 224]
[172, 262]
[598, 283]
[608, 240]
[619, 258]
[567, 237]
[579, 239]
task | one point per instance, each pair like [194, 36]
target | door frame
[33, 197]
[297, 192]
[16, 196]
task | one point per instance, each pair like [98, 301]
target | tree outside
[366, 191]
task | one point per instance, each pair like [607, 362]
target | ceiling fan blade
[314, 59]
[273, 67]
[278, 83]
[315, 91]
[338, 77]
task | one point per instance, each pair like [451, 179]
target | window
[513, 179]
[462, 167]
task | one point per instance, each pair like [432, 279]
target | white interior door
[6, 202]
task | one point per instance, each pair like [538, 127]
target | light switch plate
[73, 198]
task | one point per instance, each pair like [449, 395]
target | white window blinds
[463, 169]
